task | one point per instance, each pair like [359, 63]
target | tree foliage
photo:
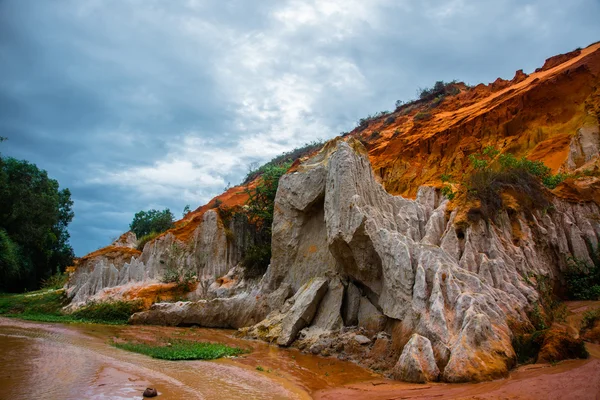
[260, 207]
[282, 159]
[34, 215]
[151, 221]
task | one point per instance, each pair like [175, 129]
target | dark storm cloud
[146, 103]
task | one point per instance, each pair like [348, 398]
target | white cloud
[149, 104]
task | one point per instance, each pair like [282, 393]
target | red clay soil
[530, 115]
[534, 116]
[571, 379]
[234, 197]
[575, 379]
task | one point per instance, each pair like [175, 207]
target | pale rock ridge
[584, 146]
[457, 287]
[417, 362]
[355, 255]
[209, 255]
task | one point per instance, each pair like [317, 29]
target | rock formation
[369, 260]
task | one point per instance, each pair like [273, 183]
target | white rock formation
[355, 255]
[417, 362]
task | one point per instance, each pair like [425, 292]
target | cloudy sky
[138, 104]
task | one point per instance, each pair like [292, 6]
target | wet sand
[55, 361]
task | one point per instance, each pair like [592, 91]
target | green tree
[261, 199]
[260, 208]
[34, 215]
[151, 221]
[186, 209]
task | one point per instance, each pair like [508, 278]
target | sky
[140, 104]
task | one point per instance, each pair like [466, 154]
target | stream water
[55, 361]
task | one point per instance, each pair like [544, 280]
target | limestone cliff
[369, 260]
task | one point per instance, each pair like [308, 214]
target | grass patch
[182, 350]
[46, 306]
[47, 302]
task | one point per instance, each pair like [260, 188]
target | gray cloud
[135, 104]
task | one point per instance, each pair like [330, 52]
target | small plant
[389, 120]
[421, 116]
[589, 319]
[56, 281]
[170, 275]
[448, 192]
[583, 280]
[46, 306]
[184, 280]
[260, 368]
[182, 350]
[116, 312]
[439, 90]
[375, 135]
[146, 222]
[537, 318]
[145, 239]
[446, 177]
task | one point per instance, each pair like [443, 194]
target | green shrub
[257, 259]
[46, 306]
[448, 192]
[170, 275]
[446, 178]
[182, 350]
[439, 90]
[589, 319]
[583, 280]
[421, 116]
[493, 175]
[184, 280]
[38, 302]
[285, 159]
[108, 312]
[56, 281]
[486, 185]
[553, 181]
[527, 346]
[141, 242]
[146, 222]
[535, 168]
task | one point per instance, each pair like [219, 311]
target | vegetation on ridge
[149, 224]
[281, 160]
[494, 173]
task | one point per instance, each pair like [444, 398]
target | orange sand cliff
[534, 115]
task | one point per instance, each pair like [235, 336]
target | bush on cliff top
[495, 173]
[151, 221]
[281, 160]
